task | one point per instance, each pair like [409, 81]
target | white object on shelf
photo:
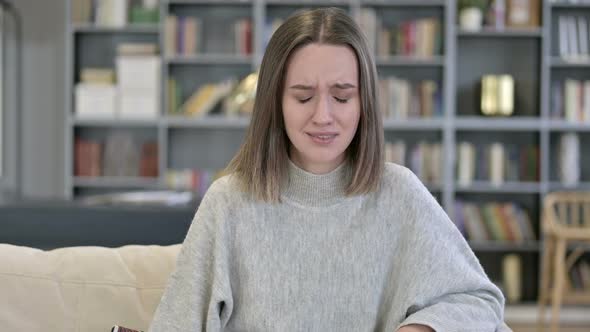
[138, 105]
[138, 72]
[111, 13]
[138, 79]
[471, 19]
[497, 161]
[569, 159]
[466, 170]
[96, 100]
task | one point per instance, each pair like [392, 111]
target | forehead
[322, 63]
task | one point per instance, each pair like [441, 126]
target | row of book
[115, 13]
[496, 163]
[573, 37]
[579, 276]
[184, 36]
[425, 159]
[119, 155]
[202, 101]
[569, 159]
[131, 90]
[419, 37]
[493, 221]
[402, 99]
[570, 100]
[197, 181]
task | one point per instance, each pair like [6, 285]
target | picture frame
[523, 13]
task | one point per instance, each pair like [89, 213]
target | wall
[42, 139]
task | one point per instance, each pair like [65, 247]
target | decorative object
[523, 13]
[497, 95]
[471, 14]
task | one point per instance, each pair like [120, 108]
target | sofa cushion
[82, 288]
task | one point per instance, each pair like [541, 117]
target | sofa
[82, 289]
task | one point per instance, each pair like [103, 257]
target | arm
[415, 328]
[444, 285]
[197, 297]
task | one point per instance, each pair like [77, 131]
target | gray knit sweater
[321, 261]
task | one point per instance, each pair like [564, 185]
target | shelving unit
[530, 55]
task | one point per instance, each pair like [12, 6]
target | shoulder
[401, 180]
[224, 189]
[400, 185]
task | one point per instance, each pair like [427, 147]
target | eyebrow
[342, 86]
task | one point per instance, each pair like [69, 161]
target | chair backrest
[567, 214]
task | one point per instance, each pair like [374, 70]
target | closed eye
[340, 100]
[303, 101]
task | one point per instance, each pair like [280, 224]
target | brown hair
[261, 164]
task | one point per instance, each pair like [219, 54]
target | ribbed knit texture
[321, 261]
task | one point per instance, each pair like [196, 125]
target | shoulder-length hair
[261, 164]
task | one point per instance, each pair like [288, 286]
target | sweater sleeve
[198, 296]
[442, 283]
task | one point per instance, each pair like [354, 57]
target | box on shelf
[138, 105]
[95, 100]
[138, 73]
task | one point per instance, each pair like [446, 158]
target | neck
[316, 190]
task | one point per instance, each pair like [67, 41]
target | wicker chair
[566, 225]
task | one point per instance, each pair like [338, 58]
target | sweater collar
[315, 190]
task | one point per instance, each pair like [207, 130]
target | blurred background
[116, 116]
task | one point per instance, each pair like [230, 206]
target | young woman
[311, 230]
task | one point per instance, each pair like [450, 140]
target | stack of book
[424, 159]
[197, 181]
[570, 100]
[87, 158]
[494, 221]
[573, 37]
[96, 94]
[402, 99]
[184, 37]
[115, 13]
[417, 38]
[202, 101]
[118, 156]
[138, 73]
[496, 163]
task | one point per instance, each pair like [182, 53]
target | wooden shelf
[410, 61]
[116, 182]
[506, 33]
[207, 122]
[496, 246]
[403, 3]
[210, 59]
[507, 187]
[514, 123]
[135, 29]
[413, 124]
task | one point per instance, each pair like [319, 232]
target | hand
[415, 328]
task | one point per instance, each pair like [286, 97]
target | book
[97, 76]
[148, 166]
[87, 158]
[466, 164]
[204, 99]
[171, 30]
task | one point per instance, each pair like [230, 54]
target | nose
[322, 113]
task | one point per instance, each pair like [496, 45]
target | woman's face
[321, 105]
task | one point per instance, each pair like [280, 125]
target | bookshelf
[530, 55]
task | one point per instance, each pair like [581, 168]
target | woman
[311, 230]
